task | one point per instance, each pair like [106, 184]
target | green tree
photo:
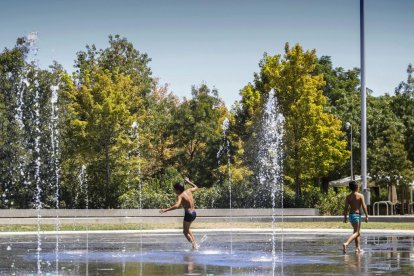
[403, 106]
[387, 157]
[26, 147]
[116, 84]
[12, 71]
[120, 57]
[343, 94]
[197, 134]
[158, 140]
[314, 141]
[99, 115]
[246, 111]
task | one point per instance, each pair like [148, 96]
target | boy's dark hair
[353, 185]
[179, 186]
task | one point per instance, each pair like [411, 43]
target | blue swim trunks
[354, 218]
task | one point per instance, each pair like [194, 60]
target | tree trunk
[324, 184]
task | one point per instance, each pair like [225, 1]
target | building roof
[343, 182]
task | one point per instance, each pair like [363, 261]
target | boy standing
[185, 198]
[354, 201]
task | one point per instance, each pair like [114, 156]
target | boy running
[185, 198]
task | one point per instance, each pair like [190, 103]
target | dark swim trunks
[190, 216]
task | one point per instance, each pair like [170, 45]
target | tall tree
[158, 131]
[314, 142]
[343, 94]
[387, 157]
[197, 133]
[13, 69]
[107, 92]
[99, 118]
[26, 147]
[120, 57]
[403, 106]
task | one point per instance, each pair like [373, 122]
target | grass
[312, 225]
[207, 225]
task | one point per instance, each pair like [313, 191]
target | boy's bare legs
[354, 236]
[357, 244]
[358, 239]
[194, 240]
[188, 234]
[186, 230]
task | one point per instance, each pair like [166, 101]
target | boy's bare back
[355, 201]
[187, 200]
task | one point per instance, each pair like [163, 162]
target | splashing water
[54, 130]
[225, 150]
[83, 190]
[32, 39]
[270, 157]
[82, 193]
[135, 130]
[19, 119]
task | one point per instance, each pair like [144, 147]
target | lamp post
[348, 125]
[365, 190]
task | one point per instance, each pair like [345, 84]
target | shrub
[332, 203]
[156, 192]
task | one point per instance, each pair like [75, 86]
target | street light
[348, 125]
[365, 190]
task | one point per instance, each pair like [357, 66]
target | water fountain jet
[270, 157]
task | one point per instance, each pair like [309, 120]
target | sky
[220, 42]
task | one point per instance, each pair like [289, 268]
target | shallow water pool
[221, 253]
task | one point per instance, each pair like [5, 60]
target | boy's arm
[194, 188]
[175, 206]
[346, 210]
[364, 207]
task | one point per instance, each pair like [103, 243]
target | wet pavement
[221, 253]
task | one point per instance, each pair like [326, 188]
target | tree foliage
[197, 134]
[117, 138]
[314, 142]
[99, 119]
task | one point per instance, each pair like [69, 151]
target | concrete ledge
[135, 216]
[200, 219]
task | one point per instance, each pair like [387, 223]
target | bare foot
[358, 250]
[344, 248]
